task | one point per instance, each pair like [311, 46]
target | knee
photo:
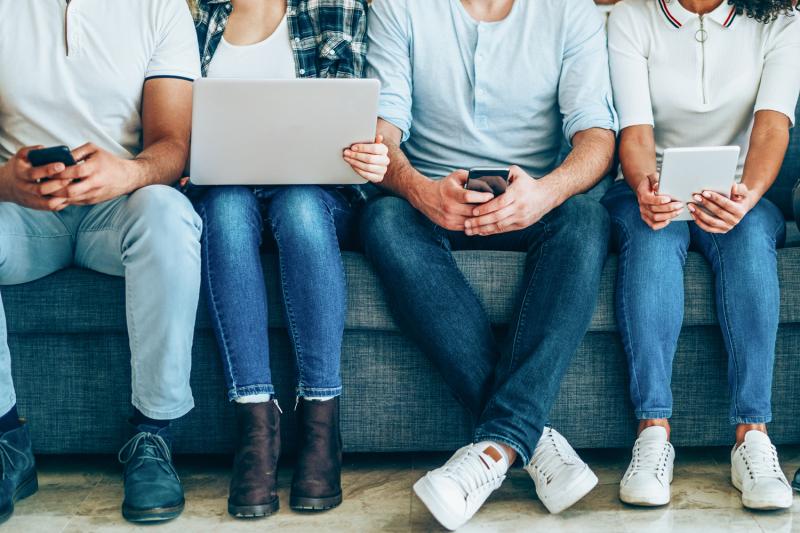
[582, 223]
[760, 231]
[300, 213]
[165, 219]
[383, 221]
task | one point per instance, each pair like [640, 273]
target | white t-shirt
[699, 81]
[73, 72]
[271, 59]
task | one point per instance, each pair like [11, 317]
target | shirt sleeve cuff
[403, 124]
[174, 74]
[770, 106]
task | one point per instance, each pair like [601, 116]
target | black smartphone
[492, 180]
[47, 156]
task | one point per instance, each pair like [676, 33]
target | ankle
[660, 422]
[10, 421]
[139, 420]
[743, 429]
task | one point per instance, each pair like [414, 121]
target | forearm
[591, 158]
[161, 163]
[401, 178]
[768, 144]
[637, 154]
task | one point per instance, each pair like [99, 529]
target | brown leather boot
[317, 483]
[253, 491]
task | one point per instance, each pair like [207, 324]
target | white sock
[318, 399]
[257, 398]
[503, 460]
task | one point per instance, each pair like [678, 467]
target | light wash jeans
[152, 238]
[650, 302]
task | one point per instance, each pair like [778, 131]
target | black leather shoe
[153, 491]
[796, 481]
[18, 470]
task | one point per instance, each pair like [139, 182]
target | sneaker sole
[427, 495]
[253, 511]
[159, 514]
[302, 503]
[27, 488]
[575, 493]
[762, 505]
[632, 499]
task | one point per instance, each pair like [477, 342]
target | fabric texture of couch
[70, 359]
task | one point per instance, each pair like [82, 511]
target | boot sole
[301, 503]
[27, 488]
[159, 514]
[253, 511]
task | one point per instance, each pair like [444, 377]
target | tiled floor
[79, 495]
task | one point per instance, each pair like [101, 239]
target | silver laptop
[255, 132]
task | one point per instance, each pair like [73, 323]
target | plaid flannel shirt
[328, 38]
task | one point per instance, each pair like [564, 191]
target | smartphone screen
[491, 180]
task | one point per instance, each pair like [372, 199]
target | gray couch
[71, 363]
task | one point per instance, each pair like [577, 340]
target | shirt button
[297, 39]
[208, 58]
[302, 72]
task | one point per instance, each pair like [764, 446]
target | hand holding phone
[485, 179]
[48, 156]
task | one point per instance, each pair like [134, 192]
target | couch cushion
[94, 303]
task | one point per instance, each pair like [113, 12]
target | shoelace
[649, 457]
[149, 440]
[551, 454]
[761, 461]
[6, 462]
[471, 473]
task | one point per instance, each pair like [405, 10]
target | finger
[722, 201]
[664, 217]
[84, 152]
[22, 153]
[76, 172]
[358, 165]
[676, 207]
[456, 208]
[707, 220]
[45, 171]
[501, 202]
[718, 212]
[459, 177]
[370, 159]
[53, 187]
[474, 197]
[705, 227]
[653, 181]
[377, 149]
[371, 177]
[490, 219]
[379, 139]
[77, 190]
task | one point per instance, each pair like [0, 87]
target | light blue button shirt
[468, 93]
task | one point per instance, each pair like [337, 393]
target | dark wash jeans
[307, 223]
[508, 385]
[650, 302]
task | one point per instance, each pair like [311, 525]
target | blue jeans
[508, 385]
[307, 223]
[152, 238]
[650, 302]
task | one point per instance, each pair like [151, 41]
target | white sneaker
[455, 492]
[560, 476]
[756, 472]
[649, 475]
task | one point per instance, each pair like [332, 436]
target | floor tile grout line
[89, 493]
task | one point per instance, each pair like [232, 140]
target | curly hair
[764, 10]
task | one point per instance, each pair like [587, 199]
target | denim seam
[287, 306]
[500, 439]
[524, 306]
[303, 392]
[216, 315]
[250, 390]
[627, 338]
[739, 419]
[725, 323]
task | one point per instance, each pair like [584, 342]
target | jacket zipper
[66, 27]
[702, 36]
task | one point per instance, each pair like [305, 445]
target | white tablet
[258, 132]
[687, 171]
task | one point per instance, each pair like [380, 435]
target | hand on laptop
[446, 202]
[657, 210]
[99, 177]
[30, 186]
[721, 214]
[370, 161]
[523, 204]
